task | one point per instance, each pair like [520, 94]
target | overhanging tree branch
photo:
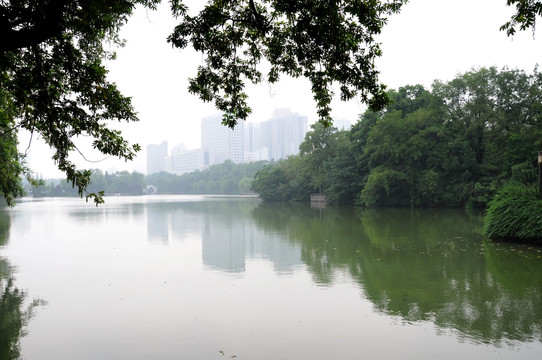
[42, 22]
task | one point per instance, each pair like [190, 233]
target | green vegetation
[325, 41]
[226, 179]
[10, 162]
[121, 182]
[455, 145]
[515, 213]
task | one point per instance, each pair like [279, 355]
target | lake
[196, 277]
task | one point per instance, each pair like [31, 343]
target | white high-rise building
[253, 137]
[342, 124]
[184, 161]
[156, 157]
[281, 135]
[220, 143]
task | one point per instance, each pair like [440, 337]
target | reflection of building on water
[185, 224]
[229, 235]
[226, 244]
[157, 224]
[270, 246]
[171, 217]
[222, 245]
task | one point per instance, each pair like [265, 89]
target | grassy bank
[515, 214]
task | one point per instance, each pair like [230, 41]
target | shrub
[515, 213]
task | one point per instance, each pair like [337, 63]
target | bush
[515, 213]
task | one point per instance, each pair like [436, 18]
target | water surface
[218, 277]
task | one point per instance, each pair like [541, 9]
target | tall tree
[319, 147]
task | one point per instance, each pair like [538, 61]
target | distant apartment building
[220, 143]
[342, 124]
[184, 161]
[156, 157]
[280, 136]
[253, 136]
[275, 139]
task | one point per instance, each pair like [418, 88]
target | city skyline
[274, 139]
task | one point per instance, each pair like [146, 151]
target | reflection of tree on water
[421, 265]
[11, 319]
[328, 237]
[13, 315]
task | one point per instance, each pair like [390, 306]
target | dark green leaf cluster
[283, 181]
[515, 213]
[452, 146]
[525, 17]
[325, 41]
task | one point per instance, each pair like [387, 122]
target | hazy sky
[428, 40]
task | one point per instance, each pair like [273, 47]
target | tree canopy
[454, 145]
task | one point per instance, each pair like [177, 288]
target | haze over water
[216, 277]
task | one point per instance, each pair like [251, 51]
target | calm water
[220, 278]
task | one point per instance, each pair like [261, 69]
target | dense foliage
[11, 166]
[225, 179]
[454, 145]
[515, 213]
